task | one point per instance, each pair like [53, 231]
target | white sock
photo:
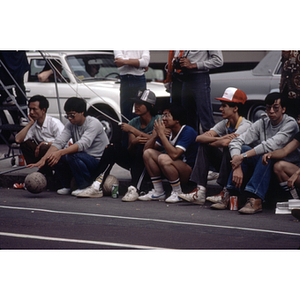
[176, 187]
[157, 184]
[293, 191]
[97, 183]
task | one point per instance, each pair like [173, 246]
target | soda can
[21, 160]
[233, 203]
[115, 191]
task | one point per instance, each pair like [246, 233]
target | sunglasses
[70, 116]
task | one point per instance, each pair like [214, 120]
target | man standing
[132, 66]
[172, 156]
[265, 135]
[79, 160]
[37, 136]
[195, 93]
[209, 152]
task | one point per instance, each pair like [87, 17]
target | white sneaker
[90, 192]
[217, 198]
[152, 195]
[64, 191]
[76, 192]
[173, 198]
[131, 194]
[212, 175]
[197, 196]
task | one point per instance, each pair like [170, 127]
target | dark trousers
[115, 153]
[130, 85]
[211, 156]
[28, 150]
[195, 98]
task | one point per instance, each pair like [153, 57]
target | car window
[38, 66]
[93, 66]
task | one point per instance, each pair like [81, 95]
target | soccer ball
[35, 182]
[108, 183]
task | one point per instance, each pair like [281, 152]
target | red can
[233, 203]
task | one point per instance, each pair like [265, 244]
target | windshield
[91, 66]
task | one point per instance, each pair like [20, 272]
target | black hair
[272, 97]
[43, 102]
[75, 104]
[178, 113]
[150, 107]
[240, 106]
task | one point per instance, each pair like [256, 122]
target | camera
[176, 63]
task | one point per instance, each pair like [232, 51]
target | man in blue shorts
[172, 156]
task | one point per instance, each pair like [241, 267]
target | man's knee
[164, 159]
[148, 154]
[278, 167]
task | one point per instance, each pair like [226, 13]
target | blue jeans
[195, 98]
[130, 85]
[80, 165]
[259, 174]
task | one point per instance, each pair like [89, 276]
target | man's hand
[139, 140]
[185, 63]
[119, 62]
[236, 161]
[126, 127]
[237, 177]
[159, 127]
[266, 157]
[54, 158]
[291, 181]
[39, 164]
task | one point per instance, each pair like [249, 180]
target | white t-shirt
[143, 56]
[51, 128]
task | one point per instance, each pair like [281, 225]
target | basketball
[107, 185]
[35, 182]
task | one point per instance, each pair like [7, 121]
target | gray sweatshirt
[264, 137]
[205, 60]
[90, 137]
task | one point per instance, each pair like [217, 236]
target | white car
[92, 76]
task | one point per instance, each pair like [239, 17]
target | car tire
[109, 121]
[256, 112]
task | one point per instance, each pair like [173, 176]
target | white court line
[48, 238]
[152, 220]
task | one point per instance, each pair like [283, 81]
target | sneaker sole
[213, 200]
[89, 196]
[129, 200]
[192, 200]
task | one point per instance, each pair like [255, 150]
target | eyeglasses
[167, 115]
[70, 116]
[275, 107]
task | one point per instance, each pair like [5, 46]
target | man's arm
[281, 153]
[212, 138]
[142, 62]
[238, 159]
[20, 136]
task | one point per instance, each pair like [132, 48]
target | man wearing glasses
[265, 135]
[79, 160]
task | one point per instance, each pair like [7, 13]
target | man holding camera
[195, 92]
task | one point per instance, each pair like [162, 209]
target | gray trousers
[211, 156]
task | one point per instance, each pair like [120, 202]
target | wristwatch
[245, 155]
